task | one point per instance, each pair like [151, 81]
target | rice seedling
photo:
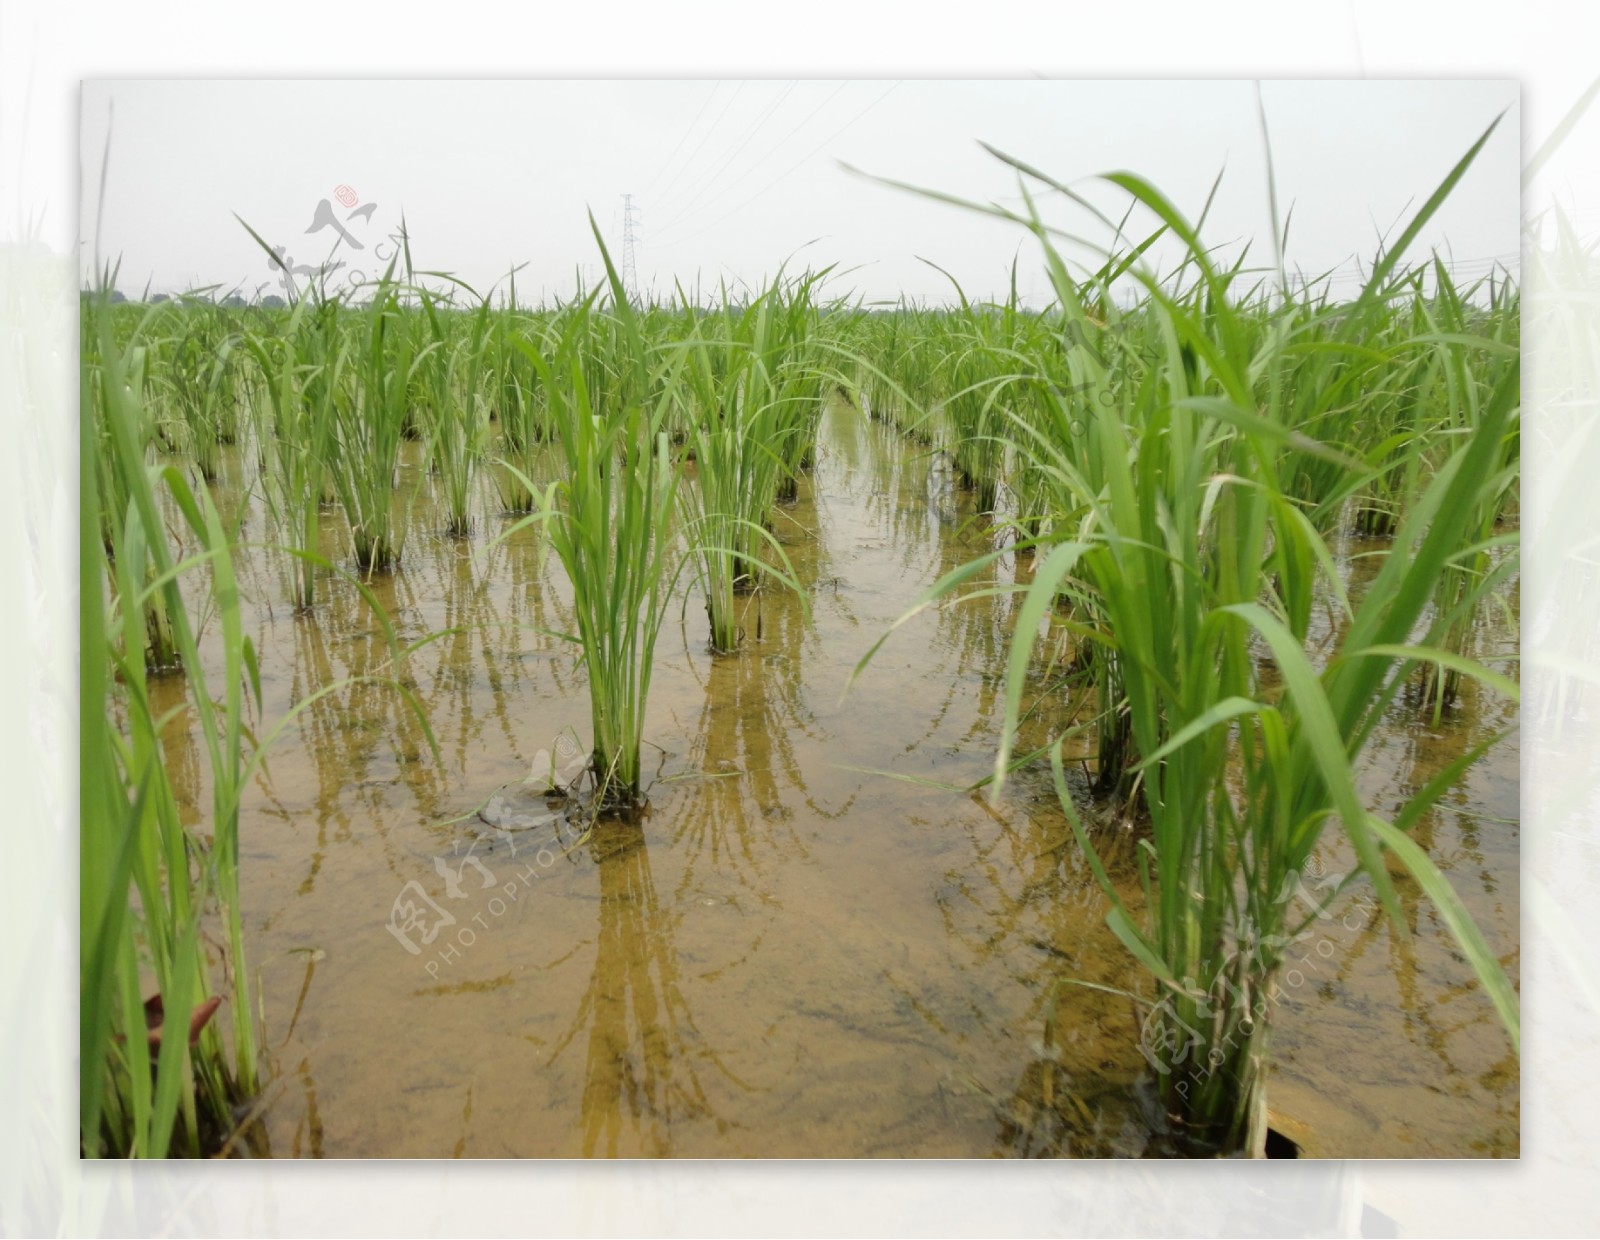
[742, 417]
[158, 1073]
[454, 374]
[1470, 370]
[1199, 564]
[878, 338]
[519, 403]
[973, 377]
[131, 829]
[894, 356]
[612, 517]
[197, 369]
[109, 820]
[158, 642]
[302, 368]
[371, 422]
[1175, 474]
[787, 345]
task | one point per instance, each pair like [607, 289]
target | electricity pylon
[630, 279]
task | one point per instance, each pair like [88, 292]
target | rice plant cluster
[1182, 468]
[1181, 458]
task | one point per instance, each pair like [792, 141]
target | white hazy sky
[730, 178]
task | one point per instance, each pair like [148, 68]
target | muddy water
[815, 946]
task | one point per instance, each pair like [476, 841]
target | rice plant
[112, 467]
[519, 403]
[1170, 471]
[302, 368]
[612, 517]
[1477, 569]
[197, 369]
[740, 420]
[158, 1073]
[454, 376]
[131, 833]
[786, 343]
[975, 377]
[1203, 569]
[371, 421]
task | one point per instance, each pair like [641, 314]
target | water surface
[798, 954]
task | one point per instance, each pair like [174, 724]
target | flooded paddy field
[812, 943]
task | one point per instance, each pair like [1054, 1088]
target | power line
[786, 172]
[667, 163]
[784, 141]
[727, 163]
[1467, 269]
[667, 188]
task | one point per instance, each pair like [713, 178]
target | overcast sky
[729, 178]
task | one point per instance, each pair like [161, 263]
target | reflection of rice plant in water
[1198, 562]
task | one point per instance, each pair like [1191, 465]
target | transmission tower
[630, 279]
